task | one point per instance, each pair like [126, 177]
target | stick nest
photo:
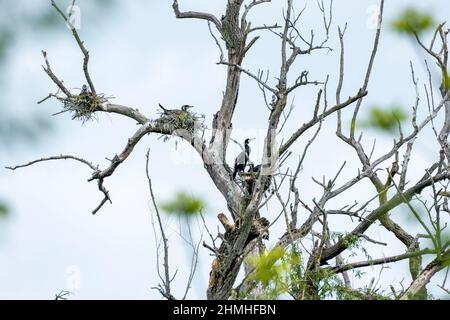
[180, 120]
[84, 105]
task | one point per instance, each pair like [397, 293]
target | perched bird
[241, 160]
[254, 169]
[84, 89]
[184, 108]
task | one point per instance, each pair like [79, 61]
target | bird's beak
[252, 139]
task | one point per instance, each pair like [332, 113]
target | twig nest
[248, 176]
[84, 105]
[180, 120]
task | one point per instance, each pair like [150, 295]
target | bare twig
[195, 15]
[81, 45]
[60, 157]
[167, 280]
[369, 68]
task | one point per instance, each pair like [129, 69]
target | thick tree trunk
[422, 279]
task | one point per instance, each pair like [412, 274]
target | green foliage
[445, 238]
[445, 80]
[445, 259]
[295, 275]
[185, 119]
[4, 210]
[326, 282]
[413, 21]
[271, 271]
[344, 293]
[183, 205]
[281, 271]
[436, 232]
[384, 119]
[331, 286]
[351, 241]
[266, 270]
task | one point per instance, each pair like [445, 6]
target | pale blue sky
[143, 56]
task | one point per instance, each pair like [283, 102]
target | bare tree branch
[424, 277]
[60, 157]
[195, 15]
[81, 45]
[166, 281]
[369, 68]
[318, 118]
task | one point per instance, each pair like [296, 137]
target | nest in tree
[84, 105]
[248, 180]
[178, 120]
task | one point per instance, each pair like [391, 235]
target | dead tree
[234, 36]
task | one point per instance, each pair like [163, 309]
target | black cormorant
[241, 160]
[184, 108]
[84, 89]
[254, 169]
